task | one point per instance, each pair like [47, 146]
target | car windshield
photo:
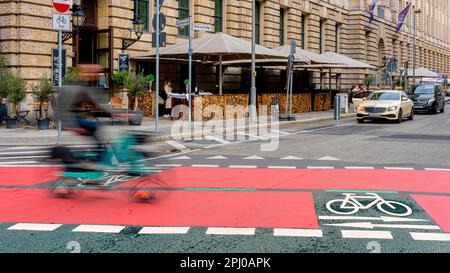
[384, 96]
[424, 89]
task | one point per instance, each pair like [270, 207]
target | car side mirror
[404, 98]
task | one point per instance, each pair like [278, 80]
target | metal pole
[157, 68]
[414, 46]
[190, 71]
[252, 110]
[220, 75]
[59, 77]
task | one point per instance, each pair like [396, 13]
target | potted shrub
[72, 76]
[41, 93]
[368, 80]
[3, 93]
[136, 83]
[15, 89]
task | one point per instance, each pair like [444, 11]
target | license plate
[373, 115]
[418, 107]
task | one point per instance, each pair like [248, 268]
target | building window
[141, 10]
[218, 16]
[183, 13]
[338, 38]
[282, 26]
[303, 32]
[322, 36]
[258, 22]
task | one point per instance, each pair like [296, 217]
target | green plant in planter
[72, 76]
[41, 92]
[136, 83]
[368, 81]
[119, 79]
[3, 93]
[15, 89]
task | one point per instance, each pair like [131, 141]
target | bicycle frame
[354, 198]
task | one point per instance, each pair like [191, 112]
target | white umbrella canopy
[424, 73]
[347, 61]
[305, 56]
[216, 47]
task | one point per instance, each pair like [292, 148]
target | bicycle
[351, 205]
[118, 163]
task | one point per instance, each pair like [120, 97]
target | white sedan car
[387, 105]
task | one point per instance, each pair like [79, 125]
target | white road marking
[230, 231]
[24, 153]
[282, 167]
[35, 227]
[164, 230]
[23, 157]
[181, 158]
[99, 228]
[372, 226]
[320, 168]
[281, 132]
[366, 234]
[422, 236]
[382, 218]
[297, 232]
[220, 140]
[242, 167]
[254, 137]
[328, 158]
[20, 162]
[437, 170]
[168, 165]
[204, 166]
[291, 158]
[218, 157]
[359, 168]
[254, 157]
[399, 168]
[176, 145]
[325, 128]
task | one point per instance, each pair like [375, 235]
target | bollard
[337, 109]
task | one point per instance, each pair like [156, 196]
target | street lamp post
[414, 44]
[252, 110]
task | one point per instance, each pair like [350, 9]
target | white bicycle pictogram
[351, 204]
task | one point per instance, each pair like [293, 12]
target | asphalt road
[267, 201]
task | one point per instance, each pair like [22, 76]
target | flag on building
[402, 17]
[372, 6]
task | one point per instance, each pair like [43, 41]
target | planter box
[11, 123]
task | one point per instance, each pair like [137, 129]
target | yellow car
[387, 105]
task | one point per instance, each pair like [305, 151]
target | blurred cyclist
[73, 116]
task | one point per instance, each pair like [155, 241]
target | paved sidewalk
[29, 135]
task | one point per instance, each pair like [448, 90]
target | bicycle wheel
[397, 209]
[63, 187]
[335, 206]
[146, 190]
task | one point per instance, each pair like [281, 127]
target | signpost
[188, 22]
[56, 66]
[60, 22]
[158, 40]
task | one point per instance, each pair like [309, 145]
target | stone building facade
[342, 26]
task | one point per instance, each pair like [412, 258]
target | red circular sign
[61, 5]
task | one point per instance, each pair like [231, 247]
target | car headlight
[361, 108]
[392, 108]
[431, 101]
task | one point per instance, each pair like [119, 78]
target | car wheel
[400, 116]
[411, 117]
[360, 121]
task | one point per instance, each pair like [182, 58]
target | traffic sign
[61, 5]
[61, 22]
[162, 39]
[202, 27]
[162, 22]
[183, 23]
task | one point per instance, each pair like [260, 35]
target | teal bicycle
[117, 163]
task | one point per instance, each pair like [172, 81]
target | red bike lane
[267, 198]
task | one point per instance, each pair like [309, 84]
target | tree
[136, 85]
[42, 91]
[15, 89]
[368, 81]
[3, 88]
